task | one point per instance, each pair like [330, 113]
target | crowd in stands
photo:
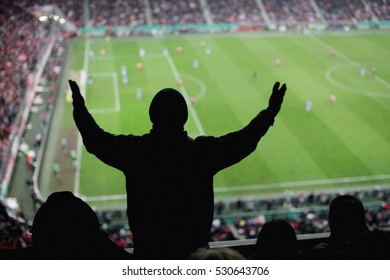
[168, 12]
[291, 12]
[43, 107]
[172, 12]
[235, 12]
[381, 9]
[306, 213]
[276, 236]
[335, 9]
[23, 42]
[291, 201]
[360, 11]
[243, 218]
[13, 226]
[22, 39]
[117, 13]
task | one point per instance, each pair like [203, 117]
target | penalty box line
[117, 106]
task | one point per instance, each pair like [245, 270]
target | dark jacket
[169, 179]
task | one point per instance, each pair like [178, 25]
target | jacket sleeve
[108, 147]
[226, 150]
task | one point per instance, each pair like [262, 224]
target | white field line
[203, 88]
[186, 96]
[117, 107]
[101, 74]
[325, 45]
[122, 57]
[347, 58]
[105, 197]
[328, 75]
[283, 185]
[295, 184]
[379, 79]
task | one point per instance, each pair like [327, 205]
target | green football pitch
[334, 145]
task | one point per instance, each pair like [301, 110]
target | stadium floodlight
[43, 18]
[47, 12]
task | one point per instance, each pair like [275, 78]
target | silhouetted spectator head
[65, 227]
[168, 109]
[346, 217]
[276, 240]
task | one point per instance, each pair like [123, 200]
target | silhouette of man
[169, 176]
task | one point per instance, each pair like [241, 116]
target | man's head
[346, 216]
[66, 227]
[276, 240]
[63, 219]
[168, 109]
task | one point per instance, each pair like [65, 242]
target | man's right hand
[276, 98]
[78, 99]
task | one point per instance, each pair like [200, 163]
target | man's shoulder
[128, 137]
[204, 139]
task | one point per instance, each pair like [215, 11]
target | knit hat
[168, 109]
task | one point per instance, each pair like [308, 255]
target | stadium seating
[117, 13]
[170, 12]
[380, 8]
[335, 10]
[307, 213]
[14, 228]
[22, 39]
[234, 11]
[291, 12]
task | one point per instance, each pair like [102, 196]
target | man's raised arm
[276, 98]
[106, 146]
[83, 119]
[259, 126]
[235, 146]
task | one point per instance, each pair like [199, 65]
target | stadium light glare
[43, 18]
[62, 20]
[56, 17]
